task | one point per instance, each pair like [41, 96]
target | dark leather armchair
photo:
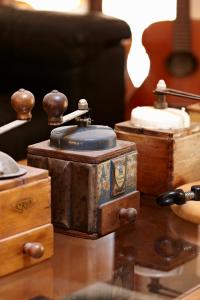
[80, 55]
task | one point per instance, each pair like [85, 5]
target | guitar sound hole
[181, 64]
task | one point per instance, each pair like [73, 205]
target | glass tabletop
[155, 258]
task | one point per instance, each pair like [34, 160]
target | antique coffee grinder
[93, 174]
[167, 143]
[26, 232]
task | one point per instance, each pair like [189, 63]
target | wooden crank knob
[34, 250]
[55, 104]
[128, 214]
[22, 102]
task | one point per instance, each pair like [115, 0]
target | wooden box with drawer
[26, 232]
[166, 158]
[93, 192]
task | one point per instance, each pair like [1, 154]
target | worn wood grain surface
[44, 149]
[12, 257]
[25, 207]
[165, 159]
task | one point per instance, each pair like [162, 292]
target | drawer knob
[128, 214]
[35, 250]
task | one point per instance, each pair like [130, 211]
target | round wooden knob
[55, 104]
[128, 214]
[34, 250]
[22, 102]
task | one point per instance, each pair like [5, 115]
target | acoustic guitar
[174, 51]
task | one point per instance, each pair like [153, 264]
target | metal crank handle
[179, 197]
[162, 91]
[177, 93]
[56, 103]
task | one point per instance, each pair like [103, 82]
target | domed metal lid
[9, 168]
[91, 137]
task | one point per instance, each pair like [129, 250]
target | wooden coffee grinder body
[90, 189]
[26, 232]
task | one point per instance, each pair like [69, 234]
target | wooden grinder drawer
[110, 217]
[24, 207]
[12, 255]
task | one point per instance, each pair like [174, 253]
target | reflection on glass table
[155, 258]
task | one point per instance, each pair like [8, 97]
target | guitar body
[158, 40]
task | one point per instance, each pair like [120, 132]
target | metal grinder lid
[9, 168]
[88, 138]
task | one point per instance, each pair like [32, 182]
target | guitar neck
[182, 31]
